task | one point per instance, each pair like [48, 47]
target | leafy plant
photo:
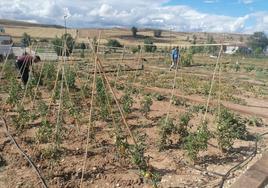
[167, 127]
[21, 119]
[182, 128]
[197, 141]
[229, 128]
[159, 97]
[15, 92]
[102, 98]
[51, 152]
[48, 75]
[70, 77]
[146, 104]
[127, 102]
[250, 68]
[44, 133]
[42, 108]
[255, 121]
[142, 162]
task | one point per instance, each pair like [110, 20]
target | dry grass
[123, 35]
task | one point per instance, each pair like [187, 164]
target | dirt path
[255, 107]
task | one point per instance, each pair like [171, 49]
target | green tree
[134, 31]
[211, 49]
[258, 40]
[149, 45]
[83, 47]
[157, 33]
[114, 43]
[59, 44]
[26, 40]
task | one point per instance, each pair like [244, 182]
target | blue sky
[233, 16]
[224, 7]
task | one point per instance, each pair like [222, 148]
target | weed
[51, 152]
[250, 68]
[178, 101]
[255, 121]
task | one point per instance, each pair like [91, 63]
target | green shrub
[157, 33]
[114, 43]
[149, 45]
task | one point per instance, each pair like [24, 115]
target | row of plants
[229, 127]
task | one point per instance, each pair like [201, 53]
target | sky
[233, 16]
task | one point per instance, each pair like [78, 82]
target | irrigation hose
[24, 154]
[248, 159]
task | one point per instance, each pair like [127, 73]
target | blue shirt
[175, 54]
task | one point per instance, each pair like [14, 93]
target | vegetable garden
[111, 118]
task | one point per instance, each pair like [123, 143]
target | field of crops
[120, 119]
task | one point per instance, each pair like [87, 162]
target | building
[241, 48]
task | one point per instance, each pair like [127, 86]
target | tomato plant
[197, 141]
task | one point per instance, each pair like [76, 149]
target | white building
[242, 48]
[231, 49]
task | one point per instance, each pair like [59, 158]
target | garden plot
[84, 126]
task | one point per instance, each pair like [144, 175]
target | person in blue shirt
[175, 55]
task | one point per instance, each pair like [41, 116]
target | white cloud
[110, 13]
[246, 1]
[210, 1]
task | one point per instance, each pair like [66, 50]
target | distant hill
[6, 22]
